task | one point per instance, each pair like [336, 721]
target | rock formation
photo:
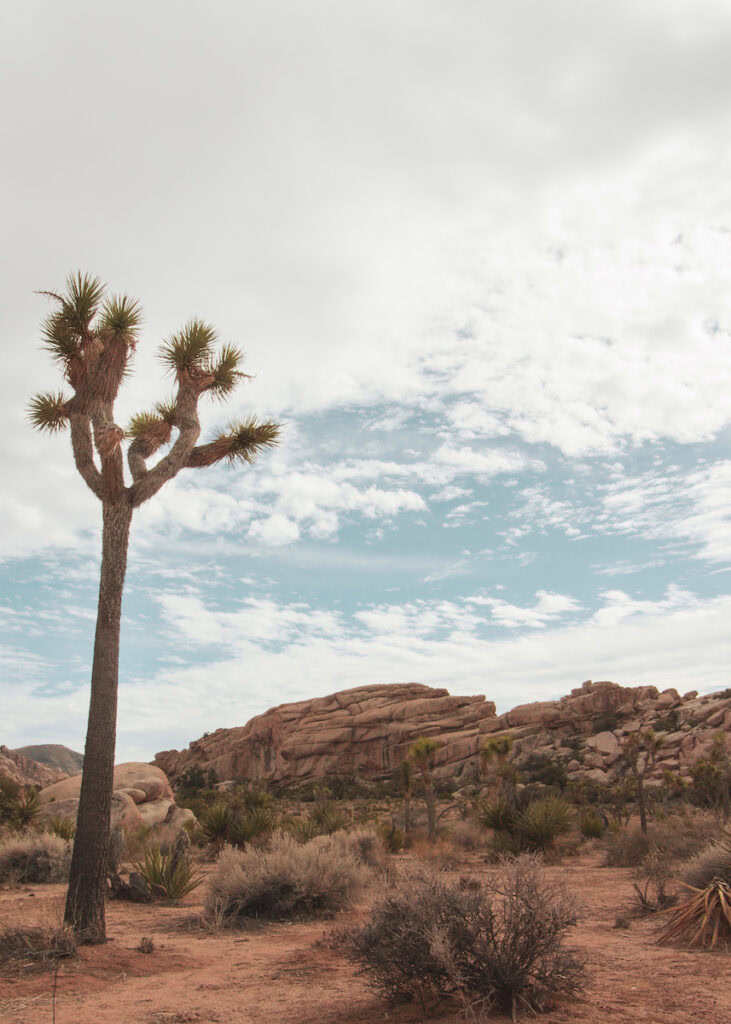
[25, 771]
[365, 732]
[142, 796]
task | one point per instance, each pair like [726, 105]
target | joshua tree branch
[188, 424]
[83, 450]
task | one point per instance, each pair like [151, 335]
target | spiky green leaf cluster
[189, 350]
[49, 411]
[422, 751]
[226, 373]
[121, 316]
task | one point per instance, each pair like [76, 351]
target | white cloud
[275, 530]
[548, 608]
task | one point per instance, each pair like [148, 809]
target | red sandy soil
[291, 974]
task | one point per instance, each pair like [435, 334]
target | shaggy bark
[87, 881]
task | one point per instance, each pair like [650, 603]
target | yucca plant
[704, 919]
[167, 875]
[543, 821]
[92, 337]
[63, 827]
[257, 822]
[497, 814]
[591, 825]
[215, 824]
[22, 809]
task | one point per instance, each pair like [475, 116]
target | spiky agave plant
[702, 920]
[92, 337]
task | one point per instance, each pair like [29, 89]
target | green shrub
[284, 880]
[65, 828]
[498, 944]
[168, 875]
[259, 821]
[498, 814]
[591, 825]
[34, 857]
[214, 823]
[21, 808]
[543, 821]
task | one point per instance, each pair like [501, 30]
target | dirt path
[287, 973]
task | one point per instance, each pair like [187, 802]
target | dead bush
[286, 879]
[498, 945]
[24, 947]
[712, 862]
[34, 857]
[366, 844]
[628, 848]
[467, 836]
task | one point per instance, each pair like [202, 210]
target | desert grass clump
[714, 861]
[167, 875]
[23, 947]
[284, 880]
[367, 846]
[703, 920]
[34, 857]
[500, 945]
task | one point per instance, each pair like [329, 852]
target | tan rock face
[142, 796]
[365, 732]
[25, 771]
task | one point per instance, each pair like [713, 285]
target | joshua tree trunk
[431, 813]
[639, 776]
[407, 813]
[87, 881]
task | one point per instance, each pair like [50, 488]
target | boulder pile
[365, 732]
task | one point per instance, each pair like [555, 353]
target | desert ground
[295, 973]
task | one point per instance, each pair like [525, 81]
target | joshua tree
[421, 753]
[406, 774]
[93, 337]
[640, 752]
[497, 750]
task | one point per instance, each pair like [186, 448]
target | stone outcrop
[25, 771]
[142, 796]
[365, 732]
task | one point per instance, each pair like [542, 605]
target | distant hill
[55, 755]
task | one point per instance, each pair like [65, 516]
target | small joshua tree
[406, 774]
[421, 754]
[496, 751]
[640, 752]
[92, 337]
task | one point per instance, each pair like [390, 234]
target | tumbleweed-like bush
[283, 880]
[498, 945]
[34, 857]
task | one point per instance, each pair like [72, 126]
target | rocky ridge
[55, 755]
[25, 771]
[365, 732]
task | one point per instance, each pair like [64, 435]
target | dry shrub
[286, 879]
[467, 836]
[628, 848]
[439, 855]
[367, 846]
[497, 945]
[24, 947]
[712, 862]
[34, 857]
